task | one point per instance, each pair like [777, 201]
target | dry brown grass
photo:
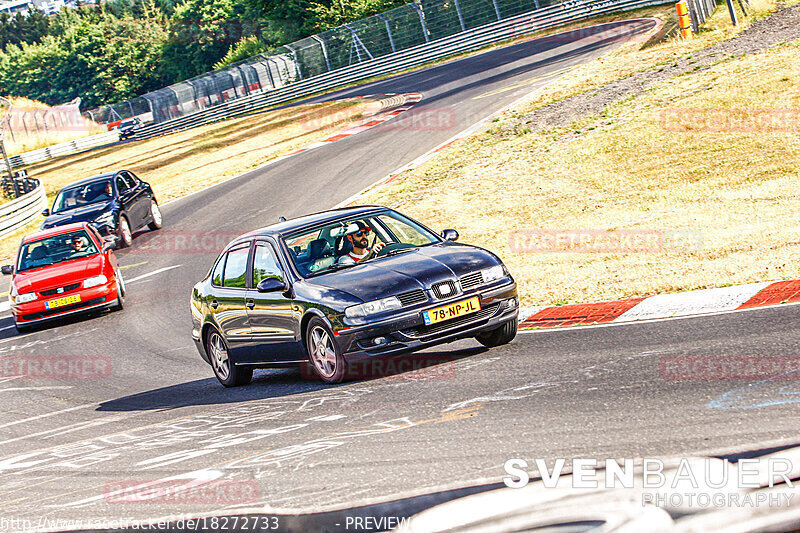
[178, 164]
[738, 189]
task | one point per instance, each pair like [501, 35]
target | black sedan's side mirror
[7, 270]
[46, 213]
[270, 285]
[450, 235]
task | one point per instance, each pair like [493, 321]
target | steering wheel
[393, 246]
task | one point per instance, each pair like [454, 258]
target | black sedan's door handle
[250, 304]
[214, 304]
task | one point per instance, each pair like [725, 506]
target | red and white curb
[700, 302]
[405, 101]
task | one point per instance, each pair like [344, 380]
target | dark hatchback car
[287, 294]
[117, 203]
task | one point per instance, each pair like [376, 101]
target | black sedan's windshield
[57, 249]
[80, 195]
[347, 241]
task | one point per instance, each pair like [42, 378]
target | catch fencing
[388, 42]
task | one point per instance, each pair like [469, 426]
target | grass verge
[650, 164]
[180, 163]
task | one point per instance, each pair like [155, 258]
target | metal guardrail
[57, 150]
[17, 213]
[534, 21]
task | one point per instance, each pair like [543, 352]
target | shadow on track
[277, 383]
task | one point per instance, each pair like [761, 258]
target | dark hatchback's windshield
[90, 193]
[66, 247]
[347, 241]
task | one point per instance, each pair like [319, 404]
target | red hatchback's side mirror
[7, 270]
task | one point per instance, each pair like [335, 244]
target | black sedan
[343, 286]
[117, 203]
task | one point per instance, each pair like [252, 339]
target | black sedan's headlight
[375, 306]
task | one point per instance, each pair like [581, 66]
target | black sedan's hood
[417, 269]
[85, 213]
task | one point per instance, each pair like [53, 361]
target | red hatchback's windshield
[57, 249]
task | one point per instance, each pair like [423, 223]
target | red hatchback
[64, 270]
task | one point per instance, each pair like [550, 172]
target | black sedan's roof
[289, 226]
[92, 179]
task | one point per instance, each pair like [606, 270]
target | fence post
[732, 12]
[388, 31]
[497, 10]
[324, 50]
[296, 61]
[460, 17]
[421, 21]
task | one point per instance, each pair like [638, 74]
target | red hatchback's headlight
[24, 298]
[94, 281]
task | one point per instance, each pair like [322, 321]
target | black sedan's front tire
[227, 373]
[498, 336]
[324, 354]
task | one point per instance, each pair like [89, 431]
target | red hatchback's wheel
[120, 292]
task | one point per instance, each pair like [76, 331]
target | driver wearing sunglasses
[360, 242]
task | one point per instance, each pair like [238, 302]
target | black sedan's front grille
[61, 290]
[439, 327]
[470, 281]
[444, 289]
[412, 297]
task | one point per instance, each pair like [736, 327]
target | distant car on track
[116, 203]
[61, 271]
[297, 292]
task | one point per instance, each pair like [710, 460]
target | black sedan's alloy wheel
[155, 215]
[124, 232]
[323, 352]
[227, 373]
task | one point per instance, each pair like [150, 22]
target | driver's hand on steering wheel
[377, 248]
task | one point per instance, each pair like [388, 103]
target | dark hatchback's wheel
[155, 215]
[323, 353]
[227, 373]
[124, 232]
[499, 336]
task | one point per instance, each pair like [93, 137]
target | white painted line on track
[60, 387]
[5, 306]
[153, 273]
[46, 415]
[5, 328]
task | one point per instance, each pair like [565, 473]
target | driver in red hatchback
[64, 270]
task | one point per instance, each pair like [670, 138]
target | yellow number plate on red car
[52, 304]
[451, 311]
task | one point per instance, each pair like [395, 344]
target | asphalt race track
[293, 444]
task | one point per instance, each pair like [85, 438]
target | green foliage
[119, 49]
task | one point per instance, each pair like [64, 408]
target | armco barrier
[57, 150]
[534, 21]
[16, 213]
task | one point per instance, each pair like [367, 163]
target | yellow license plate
[66, 300]
[451, 311]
